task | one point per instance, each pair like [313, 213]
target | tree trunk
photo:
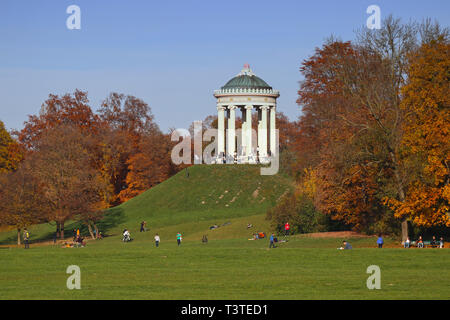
[57, 230]
[62, 230]
[401, 196]
[90, 230]
[18, 236]
[404, 230]
[96, 230]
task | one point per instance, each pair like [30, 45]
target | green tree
[298, 210]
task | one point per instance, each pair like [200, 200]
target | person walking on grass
[179, 238]
[272, 241]
[26, 238]
[157, 240]
[380, 241]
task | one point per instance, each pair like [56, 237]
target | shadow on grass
[10, 240]
[112, 218]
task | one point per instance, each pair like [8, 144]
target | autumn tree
[426, 104]
[57, 110]
[22, 202]
[10, 152]
[127, 120]
[69, 182]
[352, 122]
[150, 165]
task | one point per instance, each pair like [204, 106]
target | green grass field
[303, 268]
[229, 266]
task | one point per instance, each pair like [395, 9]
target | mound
[201, 193]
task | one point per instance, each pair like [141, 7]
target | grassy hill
[192, 200]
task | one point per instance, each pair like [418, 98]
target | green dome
[246, 80]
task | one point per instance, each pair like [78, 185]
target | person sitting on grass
[80, 242]
[126, 236]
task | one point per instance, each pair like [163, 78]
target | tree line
[370, 151]
[372, 147]
[69, 162]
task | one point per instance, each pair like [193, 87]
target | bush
[299, 211]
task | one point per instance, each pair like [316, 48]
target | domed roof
[246, 79]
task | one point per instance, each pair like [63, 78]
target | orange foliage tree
[349, 132]
[426, 136]
[10, 152]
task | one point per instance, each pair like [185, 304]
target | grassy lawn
[303, 268]
[229, 266]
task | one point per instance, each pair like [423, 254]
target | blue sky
[171, 54]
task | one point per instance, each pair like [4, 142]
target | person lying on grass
[346, 246]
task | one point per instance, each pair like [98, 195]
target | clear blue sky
[172, 54]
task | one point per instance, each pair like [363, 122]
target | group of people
[126, 237]
[420, 243]
[79, 241]
[434, 243]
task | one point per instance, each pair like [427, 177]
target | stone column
[231, 131]
[244, 132]
[262, 133]
[248, 129]
[221, 130]
[272, 130]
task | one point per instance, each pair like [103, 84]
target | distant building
[246, 92]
